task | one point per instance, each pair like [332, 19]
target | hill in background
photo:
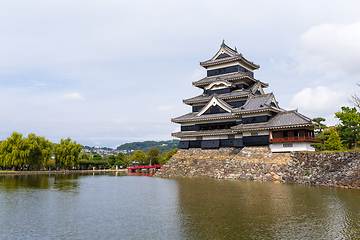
[163, 146]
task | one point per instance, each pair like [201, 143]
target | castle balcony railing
[294, 139]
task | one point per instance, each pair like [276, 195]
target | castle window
[287, 145]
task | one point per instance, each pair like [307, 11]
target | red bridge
[144, 169]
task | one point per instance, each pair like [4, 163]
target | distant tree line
[163, 146]
[36, 152]
[151, 157]
[33, 152]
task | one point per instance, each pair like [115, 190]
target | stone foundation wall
[259, 163]
[340, 169]
[253, 163]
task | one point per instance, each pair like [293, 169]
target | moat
[122, 206]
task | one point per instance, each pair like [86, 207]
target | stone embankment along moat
[340, 169]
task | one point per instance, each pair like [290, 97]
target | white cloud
[155, 56]
[331, 49]
[73, 96]
[318, 100]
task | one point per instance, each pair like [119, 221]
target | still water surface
[110, 206]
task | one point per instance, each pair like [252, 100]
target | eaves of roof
[202, 133]
[191, 117]
[227, 77]
[237, 57]
[225, 96]
[243, 128]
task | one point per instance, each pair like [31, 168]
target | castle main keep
[234, 110]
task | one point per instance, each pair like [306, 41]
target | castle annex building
[234, 110]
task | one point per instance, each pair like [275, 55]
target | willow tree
[14, 151]
[17, 151]
[39, 150]
[66, 153]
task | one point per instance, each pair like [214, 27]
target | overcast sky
[109, 72]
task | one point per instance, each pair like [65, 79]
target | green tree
[14, 151]
[127, 161]
[138, 156]
[97, 157]
[318, 125]
[168, 155]
[120, 159]
[153, 156]
[66, 153]
[318, 129]
[85, 156]
[17, 151]
[333, 141]
[111, 159]
[349, 127]
[39, 150]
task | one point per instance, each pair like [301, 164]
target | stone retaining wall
[259, 163]
[340, 169]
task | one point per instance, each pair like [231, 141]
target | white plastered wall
[215, 137]
[259, 133]
[296, 146]
[188, 139]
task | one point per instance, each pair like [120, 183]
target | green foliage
[85, 156]
[349, 127]
[111, 159]
[138, 156]
[17, 151]
[83, 164]
[317, 146]
[153, 156]
[120, 160]
[67, 153]
[333, 141]
[168, 155]
[97, 157]
[163, 146]
[14, 151]
[40, 150]
[318, 125]
[318, 129]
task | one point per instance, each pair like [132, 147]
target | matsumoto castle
[234, 110]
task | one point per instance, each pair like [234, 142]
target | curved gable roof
[227, 54]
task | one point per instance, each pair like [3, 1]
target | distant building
[234, 110]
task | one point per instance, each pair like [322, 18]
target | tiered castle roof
[226, 55]
[234, 102]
